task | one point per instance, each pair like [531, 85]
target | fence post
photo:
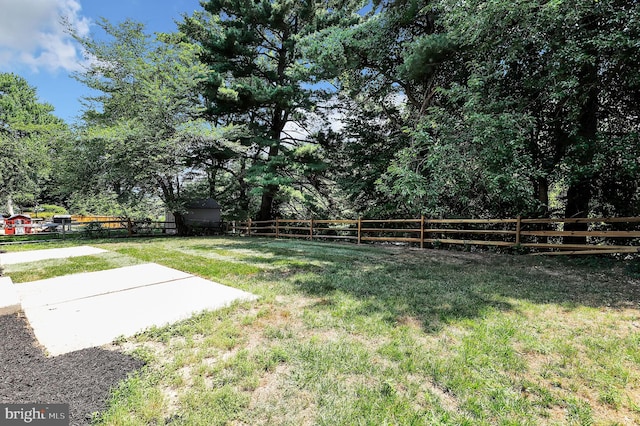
[277, 228]
[311, 229]
[359, 229]
[422, 232]
[249, 227]
[518, 228]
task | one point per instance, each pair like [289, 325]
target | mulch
[83, 379]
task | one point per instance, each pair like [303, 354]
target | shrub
[94, 229]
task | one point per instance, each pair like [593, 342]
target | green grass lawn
[345, 334]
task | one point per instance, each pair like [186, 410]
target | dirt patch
[269, 389]
[444, 396]
[411, 322]
[83, 379]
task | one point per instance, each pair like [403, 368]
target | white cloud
[32, 34]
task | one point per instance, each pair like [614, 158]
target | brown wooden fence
[543, 236]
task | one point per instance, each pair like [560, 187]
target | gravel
[83, 379]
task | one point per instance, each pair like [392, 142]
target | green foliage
[52, 209]
[345, 107]
[261, 78]
[361, 154]
[497, 104]
[544, 100]
[379, 104]
[456, 168]
[94, 229]
[142, 125]
[28, 131]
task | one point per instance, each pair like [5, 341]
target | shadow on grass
[434, 287]
[440, 287]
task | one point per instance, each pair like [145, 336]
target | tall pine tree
[261, 79]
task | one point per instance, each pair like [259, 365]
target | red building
[18, 224]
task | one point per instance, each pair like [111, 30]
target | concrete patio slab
[38, 255]
[92, 309]
[9, 299]
[57, 290]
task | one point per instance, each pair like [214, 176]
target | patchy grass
[346, 334]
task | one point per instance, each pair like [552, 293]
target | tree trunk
[266, 205]
[580, 189]
[278, 120]
[542, 194]
[243, 188]
[181, 226]
[266, 211]
[212, 174]
[542, 191]
[10, 205]
[578, 197]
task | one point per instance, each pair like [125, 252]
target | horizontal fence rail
[88, 226]
[544, 236]
[541, 236]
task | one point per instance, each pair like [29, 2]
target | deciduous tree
[141, 125]
[28, 131]
[535, 95]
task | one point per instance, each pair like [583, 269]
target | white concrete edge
[9, 299]
[16, 257]
[56, 290]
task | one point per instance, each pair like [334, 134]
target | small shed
[202, 214]
[18, 224]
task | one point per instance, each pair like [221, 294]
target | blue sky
[34, 45]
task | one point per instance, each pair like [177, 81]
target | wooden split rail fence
[544, 236]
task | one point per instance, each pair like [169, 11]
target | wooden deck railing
[545, 236]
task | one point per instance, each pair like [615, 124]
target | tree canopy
[28, 132]
[261, 80]
[520, 101]
[142, 122]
